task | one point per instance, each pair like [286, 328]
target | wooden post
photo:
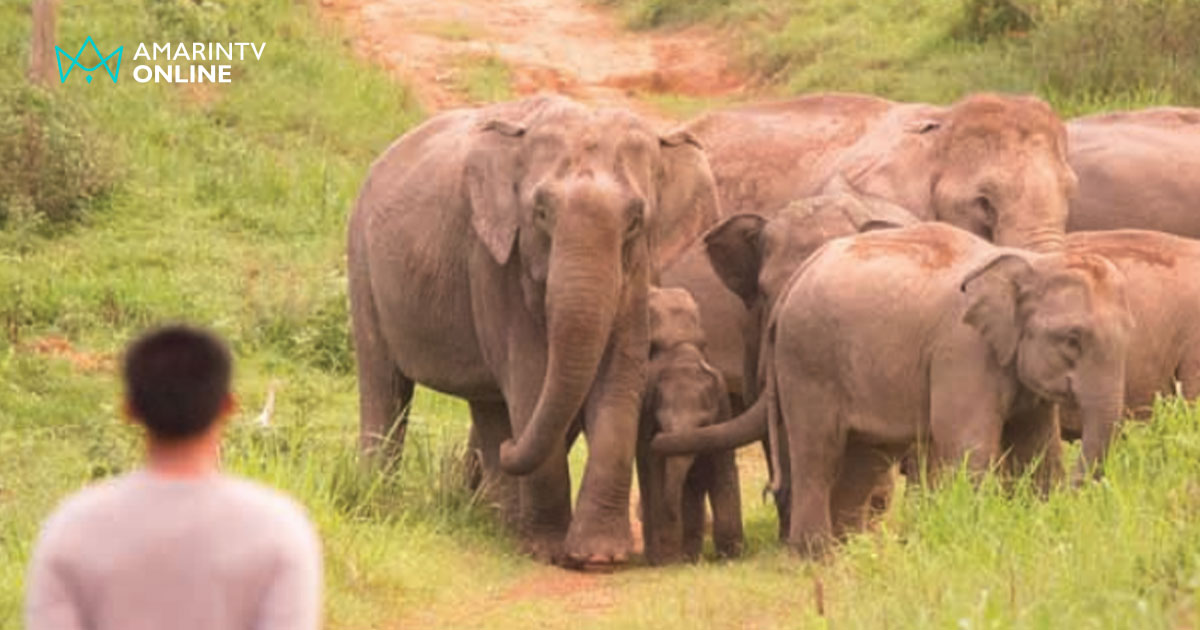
[43, 69]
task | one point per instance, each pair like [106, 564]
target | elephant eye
[989, 211]
[1072, 344]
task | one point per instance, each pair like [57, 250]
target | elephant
[684, 392]
[1162, 273]
[995, 165]
[503, 255]
[1138, 169]
[929, 337]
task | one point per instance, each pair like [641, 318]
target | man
[176, 544]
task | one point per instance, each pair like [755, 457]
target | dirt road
[565, 46]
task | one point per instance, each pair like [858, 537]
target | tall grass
[1083, 55]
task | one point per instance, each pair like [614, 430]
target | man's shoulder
[274, 511]
[77, 509]
[265, 499]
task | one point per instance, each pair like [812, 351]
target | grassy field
[227, 206]
[1082, 55]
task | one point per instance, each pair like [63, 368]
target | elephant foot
[544, 548]
[815, 547]
[589, 548]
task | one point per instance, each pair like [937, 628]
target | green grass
[485, 79]
[1082, 55]
[229, 209]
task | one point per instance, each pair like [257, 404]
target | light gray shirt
[145, 552]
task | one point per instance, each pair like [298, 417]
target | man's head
[177, 382]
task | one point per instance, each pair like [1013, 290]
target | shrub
[1111, 49]
[984, 19]
[49, 162]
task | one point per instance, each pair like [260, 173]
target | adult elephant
[991, 164]
[503, 255]
[1138, 169]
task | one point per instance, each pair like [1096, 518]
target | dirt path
[564, 46]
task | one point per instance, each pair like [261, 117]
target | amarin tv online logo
[112, 71]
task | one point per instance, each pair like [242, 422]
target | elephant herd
[853, 281]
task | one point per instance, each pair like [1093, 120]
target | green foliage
[484, 79]
[1083, 55]
[985, 19]
[51, 162]
[1117, 49]
[651, 13]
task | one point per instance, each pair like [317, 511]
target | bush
[984, 19]
[1114, 49]
[50, 165]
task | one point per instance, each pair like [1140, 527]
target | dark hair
[176, 379]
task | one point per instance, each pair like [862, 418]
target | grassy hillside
[1083, 55]
[227, 205]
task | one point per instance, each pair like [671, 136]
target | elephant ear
[491, 179]
[687, 197]
[721, 391]
[993, 296]
[735, 251]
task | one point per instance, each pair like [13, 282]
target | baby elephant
[683, 392]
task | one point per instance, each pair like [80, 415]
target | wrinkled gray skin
[1162, 274]
[1137, 169]
[455, 284]
[993, 165]
[932, 338]
[755, 258]
[684, 392]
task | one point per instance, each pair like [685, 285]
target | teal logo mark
[111, 70]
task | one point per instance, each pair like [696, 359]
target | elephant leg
[863, 488]
[384, 393]
[600, 531]
[693, 514]
[650, 488]
[489, 428]
[725, 499]
[1032, 438]
[965, 412]
[816, 439]
[1188, 373]
[544, 495]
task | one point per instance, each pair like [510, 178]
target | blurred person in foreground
[176, 544]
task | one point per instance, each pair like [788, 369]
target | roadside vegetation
[1082, 55]
[226, 205]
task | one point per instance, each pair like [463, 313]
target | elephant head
[754, 257]
[587, 204]
[994, 165]
[1061, 323]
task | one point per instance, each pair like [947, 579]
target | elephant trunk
[581, 302]
[1099, 412]
[750, 426]
[1038, 220]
